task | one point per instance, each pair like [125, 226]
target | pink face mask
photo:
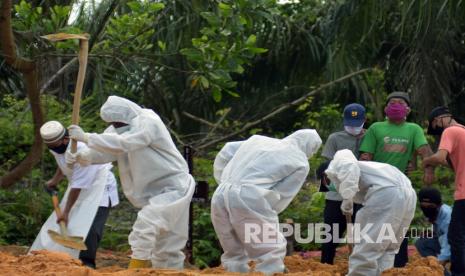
[396, 111]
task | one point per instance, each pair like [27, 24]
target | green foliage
[207, 250]
[225, 46]
[138, 26]
[444, 179]
[16, 126]
[22, 212]
[206, 247]
[27, 16]
[326, 120]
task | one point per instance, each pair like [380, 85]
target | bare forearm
[424, 151]
[72, 197]
[434, 160]
[58, 176]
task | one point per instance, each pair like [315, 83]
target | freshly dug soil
[55, 263]
[420, 267]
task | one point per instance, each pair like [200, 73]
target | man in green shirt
[396, 142]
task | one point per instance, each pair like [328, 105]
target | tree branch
[200, 120]
[29, 70]
[57, 74]
[283, 107]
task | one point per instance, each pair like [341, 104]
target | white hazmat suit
[258, 178]
[154, 177]
[388, 208]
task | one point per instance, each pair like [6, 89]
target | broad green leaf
[256, 50]
[251, 40]
[225, 9]
[212, 18]
[216, 93]
[161, 45]
[192, 53]
[156, 7]
[239, 69]
[204, 81]
[226, 32]
[135, 6]
[234, 94]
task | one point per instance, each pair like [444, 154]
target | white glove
[70, 158]
[84, 158]
[347, 207]
[76, 133]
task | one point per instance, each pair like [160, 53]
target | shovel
[349, 232]
[63, 238]
[82, 58]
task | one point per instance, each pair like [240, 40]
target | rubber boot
[135, 263]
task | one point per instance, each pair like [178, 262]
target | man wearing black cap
[439, 215]
[395, 142]
[451, 151]
[350, 138]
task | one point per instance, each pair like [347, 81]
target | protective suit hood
[307, 140]
[117, 109]
[344, 172]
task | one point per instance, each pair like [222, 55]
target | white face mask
[354, 131]
[122, 129]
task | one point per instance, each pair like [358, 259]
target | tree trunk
[29, 71]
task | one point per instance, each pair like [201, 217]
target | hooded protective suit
[388, 208]
[258, 178]
[154, 177]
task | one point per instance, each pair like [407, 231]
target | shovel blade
[68, 241]
[65, 36]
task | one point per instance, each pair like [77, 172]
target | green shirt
[393, 144]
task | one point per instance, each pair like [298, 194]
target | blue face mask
[59, 149]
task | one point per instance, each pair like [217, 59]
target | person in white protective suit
[258, 178]
[154, 177]
[86, 205]
[388, 208]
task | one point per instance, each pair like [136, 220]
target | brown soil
[420, 267]
[14, 263]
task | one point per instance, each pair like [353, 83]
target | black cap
[430, 195]
[354, 115]
[436, 112]
[398, 94]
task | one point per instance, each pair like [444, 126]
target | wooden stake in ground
[83, 53]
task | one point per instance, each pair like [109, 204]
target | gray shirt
[338, 141]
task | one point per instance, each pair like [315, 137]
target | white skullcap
[52, 131]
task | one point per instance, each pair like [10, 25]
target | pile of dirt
[420, 267]
[54, 263]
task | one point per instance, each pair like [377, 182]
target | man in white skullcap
[258, 178]
[85, 207]
[154, 177]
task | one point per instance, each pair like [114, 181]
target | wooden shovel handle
[349, 232]
[83, 53]
[56, 206]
